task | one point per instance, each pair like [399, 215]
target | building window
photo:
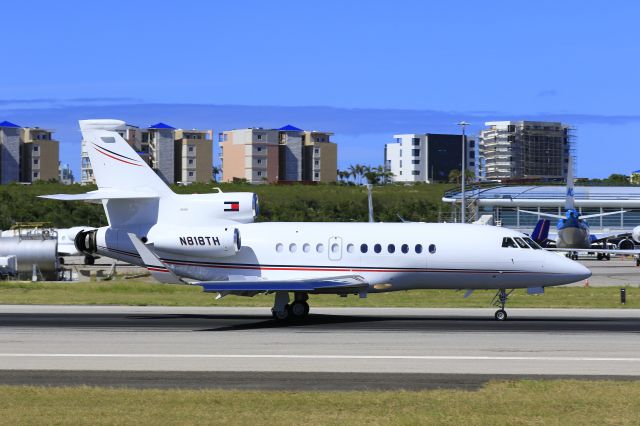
[35, 175]
[259, 173]
[317, 163]
[316, 175]
[415, 152]
[190, 174]
[416, 141]
[415, 172]
[35, 161]
[190, 148]
[415, 161]
[259, 161]
[259, 149]
[190, 161]
[259, 137]
[35, 148]
[316, 151]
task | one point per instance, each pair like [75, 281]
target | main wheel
[299, 309]
[282, 315]
[501, 315]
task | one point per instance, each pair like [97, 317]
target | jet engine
[85, 241]
[635, 234]
[626, 244]
[214, 241]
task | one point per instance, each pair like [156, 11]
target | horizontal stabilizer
[100, 195]
[344, 284]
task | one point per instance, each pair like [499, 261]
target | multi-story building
[160, 138]
[525, 150]
[193, 156]
[176, 155]
[321, 157]
[250, 154]
[39, 155]
[9, 152]
[428, 157]
[287, 154]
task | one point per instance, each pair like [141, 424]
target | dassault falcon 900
[211, 240]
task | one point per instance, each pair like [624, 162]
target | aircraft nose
[573, 270]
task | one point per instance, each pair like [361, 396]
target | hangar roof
[550, 196]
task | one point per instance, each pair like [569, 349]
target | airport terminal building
[505, 203]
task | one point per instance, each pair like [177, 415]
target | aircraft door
[335, 248]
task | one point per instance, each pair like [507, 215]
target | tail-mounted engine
[85, 242]
[209, 241]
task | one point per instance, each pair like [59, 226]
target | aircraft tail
[569, 200]
[540, 233]
[129, 189]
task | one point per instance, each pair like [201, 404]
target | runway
[430, 345]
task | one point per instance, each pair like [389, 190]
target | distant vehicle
[196, 239]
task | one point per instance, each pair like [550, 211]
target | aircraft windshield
[508, 242]
[533, 244]
[521, 243]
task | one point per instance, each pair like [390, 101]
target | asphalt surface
[612, 273]
[337, 348]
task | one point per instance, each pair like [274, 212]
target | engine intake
[85, 241]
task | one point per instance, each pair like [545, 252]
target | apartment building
[27, 154]
[160, 138]
[287, 154]
[428, 157]
[525, 150]
[251, 154]
[193, 156]
[39, 155]
[9, 152]
[65, 174]
[177, 155]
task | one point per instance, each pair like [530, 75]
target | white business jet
[196, 239]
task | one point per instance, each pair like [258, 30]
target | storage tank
[42, 252]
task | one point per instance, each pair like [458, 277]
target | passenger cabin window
[349, 248]
[364, 248]
[391, 248]
[405, 248]
[418, 248]
[508, 242]
[432, 248]
[306, 247]
[521, 243]
[533, 244]
[377, 248]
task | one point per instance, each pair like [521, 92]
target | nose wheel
[500, 300]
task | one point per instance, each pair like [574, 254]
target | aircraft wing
[339, 284]
[595, 250]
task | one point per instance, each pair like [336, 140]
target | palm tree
[215, 170]
[454, 176]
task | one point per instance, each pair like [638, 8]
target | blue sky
[365, 70]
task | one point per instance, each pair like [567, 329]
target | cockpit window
[533, 244]
[508, 242]
[521, 243]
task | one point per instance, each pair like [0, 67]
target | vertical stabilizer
[116, 166]
[569, 200]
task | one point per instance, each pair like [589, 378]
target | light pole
[463, 205]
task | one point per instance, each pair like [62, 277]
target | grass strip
[139, 293]
[526, 402]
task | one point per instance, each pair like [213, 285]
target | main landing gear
[284, 311]
[500, 300]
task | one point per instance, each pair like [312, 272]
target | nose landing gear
[500, 300]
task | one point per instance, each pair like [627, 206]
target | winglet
[155, 266]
